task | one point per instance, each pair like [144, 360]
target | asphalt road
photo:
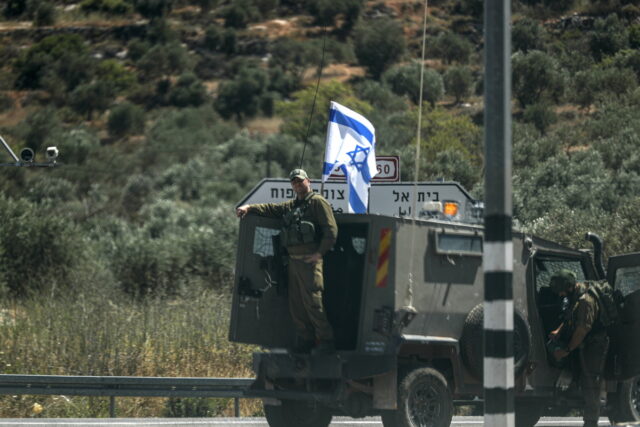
[248, 422]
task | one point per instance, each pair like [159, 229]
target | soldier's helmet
[298, 173]
[562, 281]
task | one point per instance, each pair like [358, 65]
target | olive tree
[378, 44]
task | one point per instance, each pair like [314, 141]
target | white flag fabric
[351, 143]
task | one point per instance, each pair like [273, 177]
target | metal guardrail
[125, 386]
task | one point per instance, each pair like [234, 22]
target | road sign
[393, 199]
[388, 170]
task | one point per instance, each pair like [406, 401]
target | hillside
[166, 112]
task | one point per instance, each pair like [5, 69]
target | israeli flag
[351, 143]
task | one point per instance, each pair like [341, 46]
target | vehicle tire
[527, 414]
[472, 346]
[424, 400]
[625, 404]
[297, 413]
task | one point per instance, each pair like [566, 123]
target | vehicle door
[623, 273]
[260, 311]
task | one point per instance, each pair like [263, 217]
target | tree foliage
[458, 82]
[405, 80]
[536, 77]
[298, 111]
[378, 44]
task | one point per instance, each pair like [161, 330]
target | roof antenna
[313, 106]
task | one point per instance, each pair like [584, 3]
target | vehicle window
[359, 244]
[464, 244]
[627, 279]
[547, 267]
[263, 242]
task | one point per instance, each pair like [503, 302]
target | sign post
[393, 199]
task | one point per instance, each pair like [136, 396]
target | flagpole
[324, 156]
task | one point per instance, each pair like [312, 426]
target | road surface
[250, 422]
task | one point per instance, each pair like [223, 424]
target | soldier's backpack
[608, 302]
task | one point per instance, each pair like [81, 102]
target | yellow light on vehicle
[450, 209]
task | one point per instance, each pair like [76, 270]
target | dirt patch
[265, 125]
[276, 28]
[339, 72]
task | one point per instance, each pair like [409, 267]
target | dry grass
[88, 334]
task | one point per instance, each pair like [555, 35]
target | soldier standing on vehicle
[587, 334]
[309, 231]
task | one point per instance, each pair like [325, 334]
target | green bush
[536, 77]
[527, 35]
[240, 97]
[405, 80]
[90, 97]
[608, 37]
[188, 92]
[240, 13]
[153, 8]
[64, 56]
[38, 252]
[38, 127]
[44, 13]
[114, 73]
[598, 83]
[229, 41]
[14, 8]
[325, 12]
[213, 37]
[541, 115]
[76, 146]
[378, 44]
[458, 82]
[297, 111]
[451, 47]
[125, 119]
[453, 165]
[380, 96]
[115, 7]
[634, 36]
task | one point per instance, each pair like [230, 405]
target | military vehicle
[405, 298]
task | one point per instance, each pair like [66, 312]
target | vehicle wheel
[297, 413]
[472, 345]
[424, 400]
[527, 414]
[625, 406]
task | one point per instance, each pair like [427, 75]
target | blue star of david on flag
[354, 154]
[351, 145]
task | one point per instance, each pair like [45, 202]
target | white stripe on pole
[498, 315]
[498, 373]
[499, 420]
[498, 256]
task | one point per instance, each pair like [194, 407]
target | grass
[94, 334]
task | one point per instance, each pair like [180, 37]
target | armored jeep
[405, 299]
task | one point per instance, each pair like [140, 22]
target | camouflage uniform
[305, 280]
[584, 311]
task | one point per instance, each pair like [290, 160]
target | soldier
[308, 232]
[586, 334]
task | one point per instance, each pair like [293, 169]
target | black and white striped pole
[498, 247]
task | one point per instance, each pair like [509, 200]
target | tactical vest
[609, 310]
[295, 230]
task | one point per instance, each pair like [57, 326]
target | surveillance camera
[52, 153]
[27, 155]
